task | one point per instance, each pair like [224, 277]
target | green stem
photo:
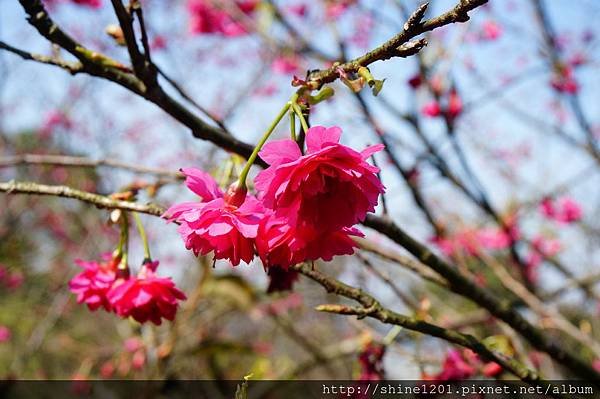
[263, 140]
[123, 236]
[298, 111]
[293, 124]
[123, 247]
[391, 335]
[143, 236]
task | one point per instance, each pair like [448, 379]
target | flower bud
[235, 195]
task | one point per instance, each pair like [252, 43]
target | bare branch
[72, 161]
[391, 48]
[71, 67]
[371, 308]
[98, 200]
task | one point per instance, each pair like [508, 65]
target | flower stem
[298, 111]
[123, 237]
[391, 335]
[293, 124]
[143, 236]
[263, 140]
[123, 247]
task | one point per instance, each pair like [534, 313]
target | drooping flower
[281, 244]
[329, 188]
[92, 284]
[145, 297]
[212, 17]
[218, 224]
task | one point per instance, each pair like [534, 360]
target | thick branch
[502, 309]
[99, 65]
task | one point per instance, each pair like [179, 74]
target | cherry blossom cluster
[564, 210]
[305, 207]
[216, 17]
[461, 365]
[144, 297]
[447, 104]
[472, 241]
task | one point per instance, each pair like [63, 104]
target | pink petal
[280, 151]
[201, 183]
[319, 136]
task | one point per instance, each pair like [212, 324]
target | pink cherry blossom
[216, 224]
[431, 109]
[145, 297]
[329, 188]
[280, 244]
[455, 367]
[493, 239]
[212, 17]
[335, 8]
[563, 80]
[547, 208]
[286, 65]
[93, 283]
[546, 246]
[455, 105]
[570, 210]
[565, 210]
[491, 30]
[89, 3]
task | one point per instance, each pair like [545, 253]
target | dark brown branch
[398, 45]
[99, 65]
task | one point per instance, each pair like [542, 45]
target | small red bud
[235, 195]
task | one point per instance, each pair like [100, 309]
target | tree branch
[72, 67]
[371, 308]
[72, 161]
[98, 200]
[398, 46]
[502, 309]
